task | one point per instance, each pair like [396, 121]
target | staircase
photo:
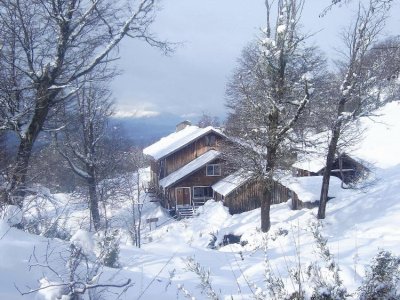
[198, 202]
[185, 212]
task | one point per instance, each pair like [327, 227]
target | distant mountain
[140, 131]
[144, 131]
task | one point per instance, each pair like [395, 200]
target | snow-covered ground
[358, 224]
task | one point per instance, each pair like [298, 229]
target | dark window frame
[213, 167]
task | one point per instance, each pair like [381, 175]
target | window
[202, 192]
[213, 170]
[211, 140]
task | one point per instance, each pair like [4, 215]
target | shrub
[382, 278]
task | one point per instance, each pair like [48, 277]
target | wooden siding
[248, 197]
[154, 174]
[198, 178]
[185, 155]
[352, 170]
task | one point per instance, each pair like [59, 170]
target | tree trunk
[267, 191]
[330, 158]
[17, 186]
[327, 174]
[265, 207]
[18, 180]
[44, 98]
[94, 203]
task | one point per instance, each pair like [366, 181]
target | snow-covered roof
[314, 163]
[227, 185]
[189, 168]
[308, 188]
[313, 155]
[177, 140]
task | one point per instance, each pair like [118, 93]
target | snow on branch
[74, 167]
[144, 8]
[299, 110]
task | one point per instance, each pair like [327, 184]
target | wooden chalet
[187, 170]
[185, 164]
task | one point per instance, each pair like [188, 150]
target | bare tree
[266, 97]
[47, 50]
[208, 120]
[358, 92]
[339, 2]
[82, 141]
[132, 188]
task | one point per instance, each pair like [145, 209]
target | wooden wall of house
[185, 155]
[169, 199]
[199, 178]
[248, 197]
[154, 173]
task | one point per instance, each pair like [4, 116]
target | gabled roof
[227, 185]
[308, 188]
[189, 168]
[313, 163]
[177, 140]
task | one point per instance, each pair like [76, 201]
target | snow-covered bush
[274, 284]
[213, 240]
[79, 273]
[382, 278]
[326, 281]
[42, 215]
[109, 249]
[204, 276]
[12, 214]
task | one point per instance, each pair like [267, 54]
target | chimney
[182, 125]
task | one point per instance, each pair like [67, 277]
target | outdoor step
[186, 215]
[185, 212]
[185, 209]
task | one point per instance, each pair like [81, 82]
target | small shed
[346, 168]
[240, 192]
[307, 190]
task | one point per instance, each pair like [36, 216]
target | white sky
[213, 33]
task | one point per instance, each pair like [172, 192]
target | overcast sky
[213, 33]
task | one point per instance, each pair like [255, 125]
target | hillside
[358, 224]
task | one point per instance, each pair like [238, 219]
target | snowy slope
[377, 141]
[381, 139]
[358, 224]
